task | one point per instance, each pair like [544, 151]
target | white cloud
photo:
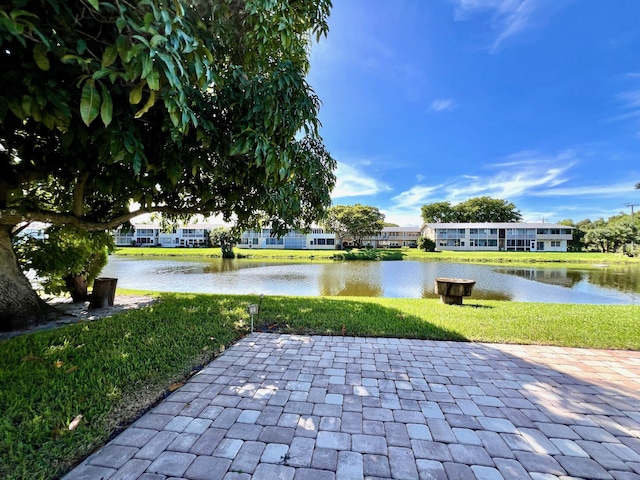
[508, 17]
[592, 190]
[442, 104]
[630, 101]
[415, 196]
[521, 174]
[352, 182]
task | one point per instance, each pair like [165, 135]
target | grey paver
[113, 456]
[313, 474]
[274, 472]
[376, 466]
[538, 462]
[402, 463]
[301, 452]
[431, 470]
[325, 459]
[334, 440]
[458, 470]
[275, 453]
[89, 472]
[172, 464]
[208, 441]
[350, 466]
[248, 457]
[207, 468]
[470, 455]
[583, 467]
[325, 408]
[511, 469]
[156, 445]
[369, 444]
[486, 473]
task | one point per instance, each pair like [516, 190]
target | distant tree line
[619, 233]
[474, 210]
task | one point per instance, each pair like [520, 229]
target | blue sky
[533, 101]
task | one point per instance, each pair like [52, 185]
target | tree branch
[13, 217]
[78, 195]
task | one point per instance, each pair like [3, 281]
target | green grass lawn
[110, 370]
[564, 258]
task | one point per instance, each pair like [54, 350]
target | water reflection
[625, 278]
[551, 276]
[407, 279]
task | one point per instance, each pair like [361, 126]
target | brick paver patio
[323, 408]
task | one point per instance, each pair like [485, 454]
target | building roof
[497, 225]
[401, 229]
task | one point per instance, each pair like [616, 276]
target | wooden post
[451, 290]
[104, 292]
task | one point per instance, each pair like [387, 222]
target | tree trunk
[77, 287]
[20, 305]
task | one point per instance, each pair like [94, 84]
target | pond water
[409, 279]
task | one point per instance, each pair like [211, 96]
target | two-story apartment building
[316, 239]
[144, 235]
[529, 237]
[391, 237]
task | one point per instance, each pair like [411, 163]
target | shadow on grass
[474, 305]
[322, 316]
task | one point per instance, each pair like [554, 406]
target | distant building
[390, 237]
[35, 230]
[522, 237]
[145, 235]
[316, 239]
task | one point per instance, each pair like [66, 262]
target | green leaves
[109, 55]
[90, 102]
[132, 86]
[40, 57]
[106, 109]
[135, 95]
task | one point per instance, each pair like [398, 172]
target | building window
[331, 241]
[555, 243]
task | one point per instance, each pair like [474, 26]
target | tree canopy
[475, 210]
[225, 238]
[619, 233]
[355, 221]
[178, 107]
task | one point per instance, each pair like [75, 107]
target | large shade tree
[178, 107]
[474, 210]
[355, 221]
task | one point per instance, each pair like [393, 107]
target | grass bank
[105, 373]
[547, 258]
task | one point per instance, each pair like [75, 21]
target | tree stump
[451, 290]
[104, 292]
[77, 287]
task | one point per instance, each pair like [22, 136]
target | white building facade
[316, 239]
[144, 235]
[520, 237]
[390, 237]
